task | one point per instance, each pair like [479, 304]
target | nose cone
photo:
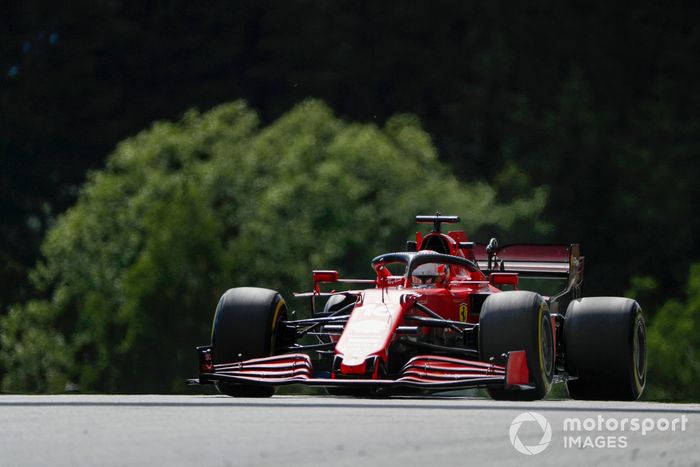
[366, 334]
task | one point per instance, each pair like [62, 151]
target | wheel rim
[546, 345]
[640, 359]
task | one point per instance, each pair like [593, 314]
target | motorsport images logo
[591, 432]
[528, 418]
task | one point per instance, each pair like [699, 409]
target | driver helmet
[425, 274]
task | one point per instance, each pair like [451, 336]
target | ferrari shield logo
[463, 309]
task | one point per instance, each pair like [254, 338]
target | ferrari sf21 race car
[445, 314]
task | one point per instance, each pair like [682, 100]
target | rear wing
[533, 261]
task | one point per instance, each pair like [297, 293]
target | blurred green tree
[184, 210]
[674, 345]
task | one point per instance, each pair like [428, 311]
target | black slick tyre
[518, 320]
[605, 348]
[245, 325]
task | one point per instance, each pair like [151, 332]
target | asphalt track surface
[73, 430]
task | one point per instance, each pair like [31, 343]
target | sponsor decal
[463, 310]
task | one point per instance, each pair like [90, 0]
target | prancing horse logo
[463, 309]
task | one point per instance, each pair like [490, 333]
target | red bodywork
[363, 346]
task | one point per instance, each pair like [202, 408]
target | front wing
[429, 372]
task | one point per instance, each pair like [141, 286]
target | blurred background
[154, 155]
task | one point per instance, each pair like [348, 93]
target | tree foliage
[674, 345]
[599, 102]
[184, 210]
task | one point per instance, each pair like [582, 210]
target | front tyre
[605, 345]
[518, 320]
[245, 326]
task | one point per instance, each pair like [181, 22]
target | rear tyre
[518, 320]
[605, 345]
[245, 327]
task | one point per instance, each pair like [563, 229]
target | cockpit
[424, 269]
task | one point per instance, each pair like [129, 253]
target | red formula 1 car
[435, 318]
